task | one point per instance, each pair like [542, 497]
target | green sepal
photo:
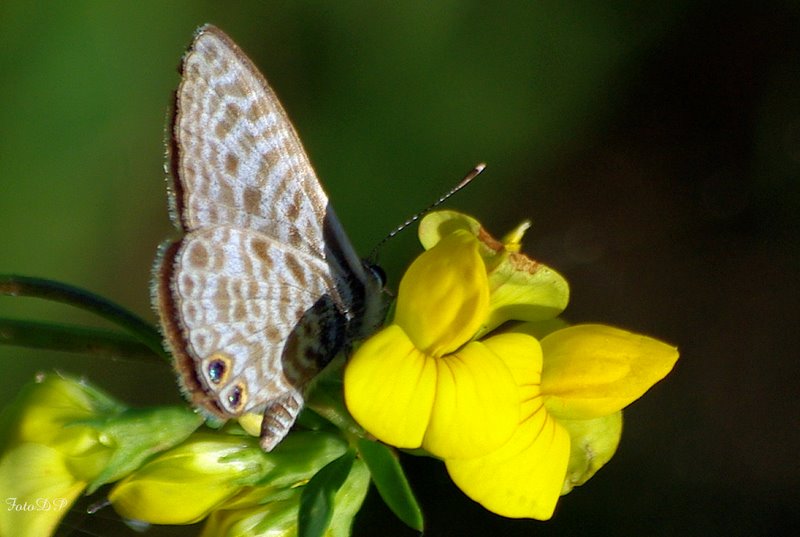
[136, 434]
[391, 482]
[317, 498]
[300, 455]
[349, 500]
[524, 290]
[592, 444]
[310, 420]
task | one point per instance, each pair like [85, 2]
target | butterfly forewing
[236, 146]
[264, 287]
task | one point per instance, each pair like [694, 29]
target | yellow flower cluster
[45, 463]
[62, 437]
[518, 420]
[238, 489]
[475, 368]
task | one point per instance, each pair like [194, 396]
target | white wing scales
[264, 288]
[237, 147]
[237, 299]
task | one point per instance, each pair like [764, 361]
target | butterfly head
[377, 272]
[375, 303]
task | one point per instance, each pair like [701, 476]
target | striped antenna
[472, 174]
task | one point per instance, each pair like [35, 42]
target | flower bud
[212, 471]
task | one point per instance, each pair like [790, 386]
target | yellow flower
[62, 436]
[279, 517]
[48, 457]
[568, 390]
[214, 471]
[421, 381]
[571, 420]
[38, 489]
[183, 485]
[521, 289]
[276, 519]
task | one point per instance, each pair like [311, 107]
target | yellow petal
[438, 224]
[539, 329]
[38, 490]
[512, 241]
[184, 484]
[522, 479]
[521, 288]
[593, 444]
[477, 404]
[44, 408]
[444, 295]
[523, 356]
[593, 370]
[168, 501]
[389, 388]
[251, 423]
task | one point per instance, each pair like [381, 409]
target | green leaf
[78, 339]
[56, 291]
[349, 500]
[391, 482]
[317, 498]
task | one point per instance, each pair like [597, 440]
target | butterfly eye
[379, 273]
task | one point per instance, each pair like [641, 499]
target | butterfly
[264, 288]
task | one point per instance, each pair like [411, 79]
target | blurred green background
[656, 148]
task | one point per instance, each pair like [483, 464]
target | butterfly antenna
[473, 173]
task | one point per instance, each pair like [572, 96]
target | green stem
[61, 292]
[77, 339]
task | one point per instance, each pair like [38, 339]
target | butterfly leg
[279, 417]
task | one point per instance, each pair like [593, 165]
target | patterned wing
[248, 319]
[233, 143]
[265, 287]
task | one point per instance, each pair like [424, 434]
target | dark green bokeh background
[657, 150]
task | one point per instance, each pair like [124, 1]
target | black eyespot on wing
[216, 371]
[236, 397]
